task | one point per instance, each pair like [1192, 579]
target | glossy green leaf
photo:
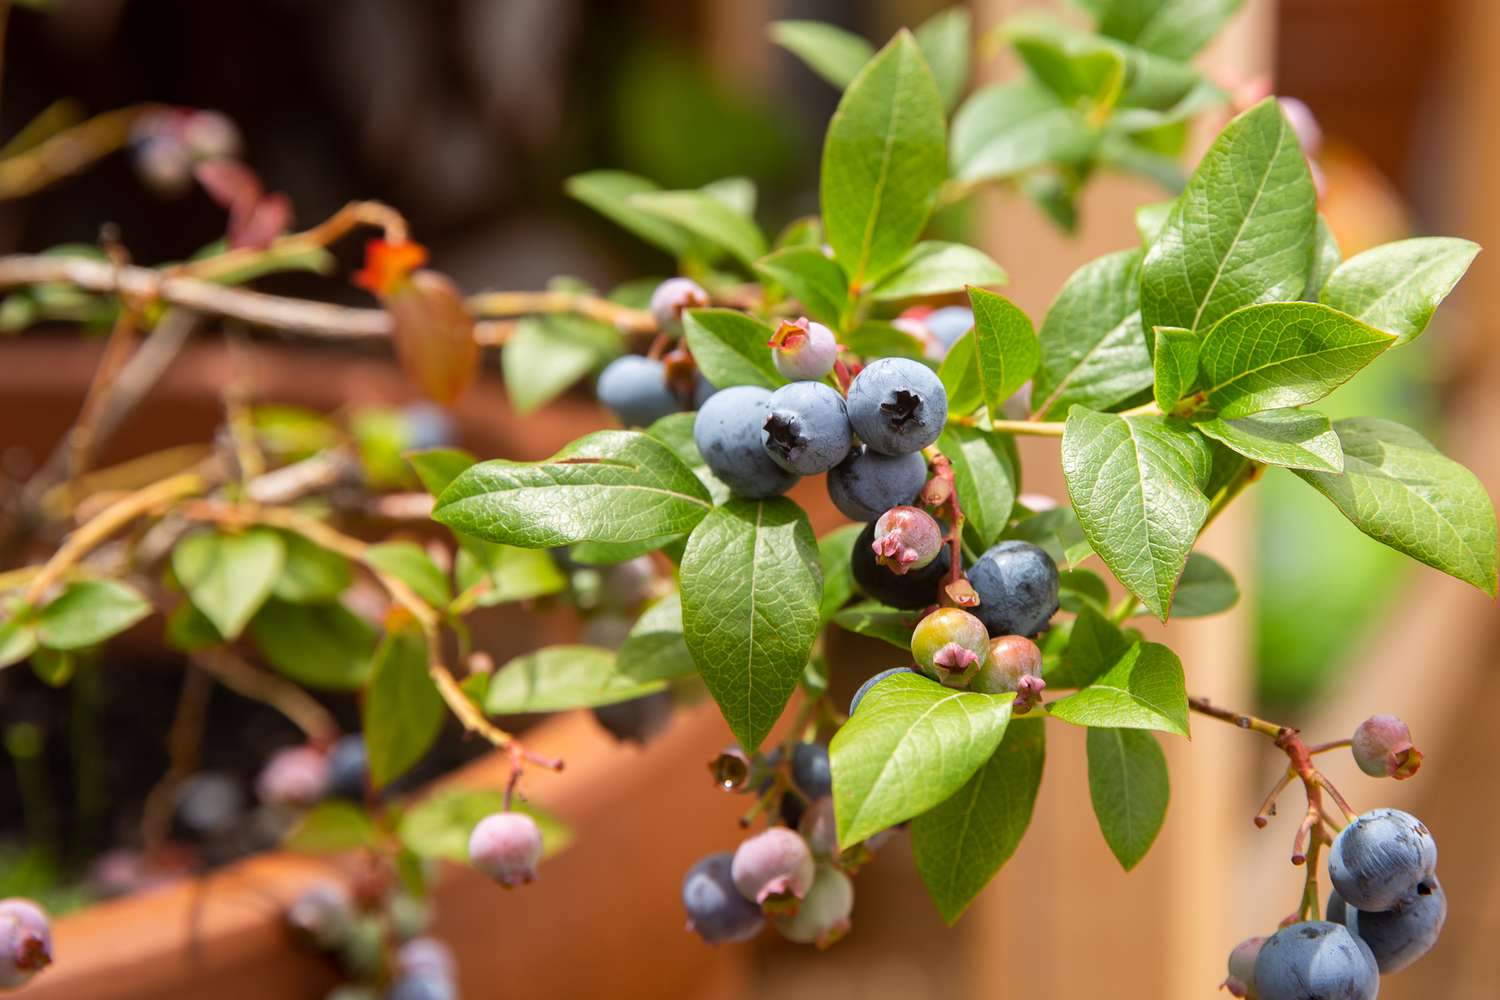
[961, 843]
[1005, 129]
[1143, 689]
[324, 646]
[1173, 28]
[332, 827]
[1074, 65]
[912, 744]
[833, 53]
[1175, 363]
[655, 648]
[440, 824]
[89, 611]
[731, 348]
[17, 639]
[1294, 439]
[959, 373]
[1093, 350]
[936, 268]
[1129, 788]
[883, 160]
[1094, 645]
[608, 192]
[1080, 587]
[984, 472]
[557, 678]
[410, 563]
[1398, 286]
[834, 552]
[812, 277]
[947, 43]
[876, 338]
[402, 709]
[1058, 532]
[547, 355]
[1005, 347]
[437, 467]
[310, 573]
[1326, 259]
[228, 576]
[879, 622]
[1400, 490]
[189, 631]
[707, 217]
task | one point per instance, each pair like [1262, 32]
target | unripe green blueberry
[1241, 979]
[321, 916]
[409, 916]
[773, 868]
[802, 349]
[823, 917]
[25, 941]
[1383, 748]
[671, 297]
[950, 646]
[506, 846]
[1014, 664]
[362, 951]
[1381, 858]
[906, 538]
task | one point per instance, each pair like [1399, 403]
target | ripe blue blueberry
[1315, 960]
[702, 389]
[774, 868]
[897, 406]
[810, 770]
[322, 916]
[1381, 858]
[25, 941]
[506, 846]
[1241, 979]
[1337, 911]
[671, 297]
[823, 917]
[348, 768]
[949, 323]
[1017, 586]
[1401, 935]
[867, 483]
[909, 591]
[637, 720]
[906, 538]
[414, 987]
[802, 349]
[715, 909]
[210, 803]
[636, 389]
[864, 688]
[296, 776]
[806, 429]
[728, 432]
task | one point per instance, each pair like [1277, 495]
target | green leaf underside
[883, 160]
[813, 278]
[1093, 350]
[86, 613]
[1175, 365]
[984, 472]
[1294, 439]
[557, 678]
[402, 709]
[751, 592]
[655, 648]
[1401, 491]
[228, 576]
[439, 825]
[1129, 788]
[878, 622]
[1205, 588]
[833, 53]
[1397, 287]
[1005, 347]
[912, 744]
[731, 348]
[1136, 485]
[323, 646]
[961, 843]
[936, 268]
[1143, 689]
[609, 486]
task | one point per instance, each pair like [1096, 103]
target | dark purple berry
[1017, 584]
[910, 591]
[716, 911]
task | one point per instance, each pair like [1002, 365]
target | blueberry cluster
[792, 873]
[302, 776]
[640, 390]
[376, 937]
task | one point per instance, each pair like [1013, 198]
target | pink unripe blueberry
[823, 917]
[672, 297]
[906, 538]
[1015, 664]
[322, 916]
[1304, 123]
[802, 349]
[950, 646]
[1241, 979]
[773, 868]
[25, 941]
[507, 847]
[297, 776]
[1383, 748]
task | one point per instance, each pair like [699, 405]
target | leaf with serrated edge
[1093, 350]
[1143, 689]
[751, 589]
[1129, 788]
[1175, 364]
[1005, 347]
[1398, 286]
[731, 348]
[961, 843]
[911, 745]
[1293, 439]
[1400, 490]
[814, 279]
[1136, 485]
[228, 576]
[556, 678]
[935, 268]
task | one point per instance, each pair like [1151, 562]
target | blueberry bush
[1172, 375]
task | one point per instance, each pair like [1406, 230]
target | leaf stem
[1025, 428]
[499, 305]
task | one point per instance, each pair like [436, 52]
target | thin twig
[184, 745]
[68, 152]
[239, 676]
[499, 305]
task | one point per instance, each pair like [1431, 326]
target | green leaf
[1005, 129]
[834, 552]
[1176, 365]
[439, 825]
[959, 373]
[833, 53]
[936, 268]
[947, 43]
[751, 590]
[332, 827]
[17, 640]
[54, 667]
[609, 486]
[437, 467]
[1078, 588]
[731, 348]
[410, 563]
[1172, 28]
[310, 573]
[1151, 219]
[402, 709]
[1294, 439]
[655, 648]
[548, 354]
[229, 576]
[1057, 531]
[1242, 232]
[1136, 486]
[1093, 350]
[1205, 588]
[1401, 491]
[556, 678]
[876, 338]
[961, 843]
[1005, 347]
[608, 192]
[1398, 286]
[708, 217]
[1283, 354]
[912, 744]
[1326, 260]
[189, 630]
[1077, 67]
[984, 472]
[883, 160]
[1094, 645]
[324, 646]
[89, 611]
[812, 277]
[878, 622]
[1143, 689]
[1129, 788]
[506, 572]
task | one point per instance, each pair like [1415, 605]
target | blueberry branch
[941, 491]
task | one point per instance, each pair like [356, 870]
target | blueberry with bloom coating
[636, 389]
[671, 297]
[728, 431]
[823, 917]
[1337, 910]
[802, 349]
[867, 483]
[1014, 664]
[1383, 748]
[1399, 936]
[806, 429]
[348, 768]
[1315, 960]
[322, 916]
[774, 868]
[506, 846]
[1381, 858]
[715, 909]
[810, 770]
[1017, 584]
[1241, 979]
[910, 591]
[950, 646]
[295, 776]
[637, 720]
[25, 941]
[702, 389]
[906, 538]
[864, 688]
[897, 406]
